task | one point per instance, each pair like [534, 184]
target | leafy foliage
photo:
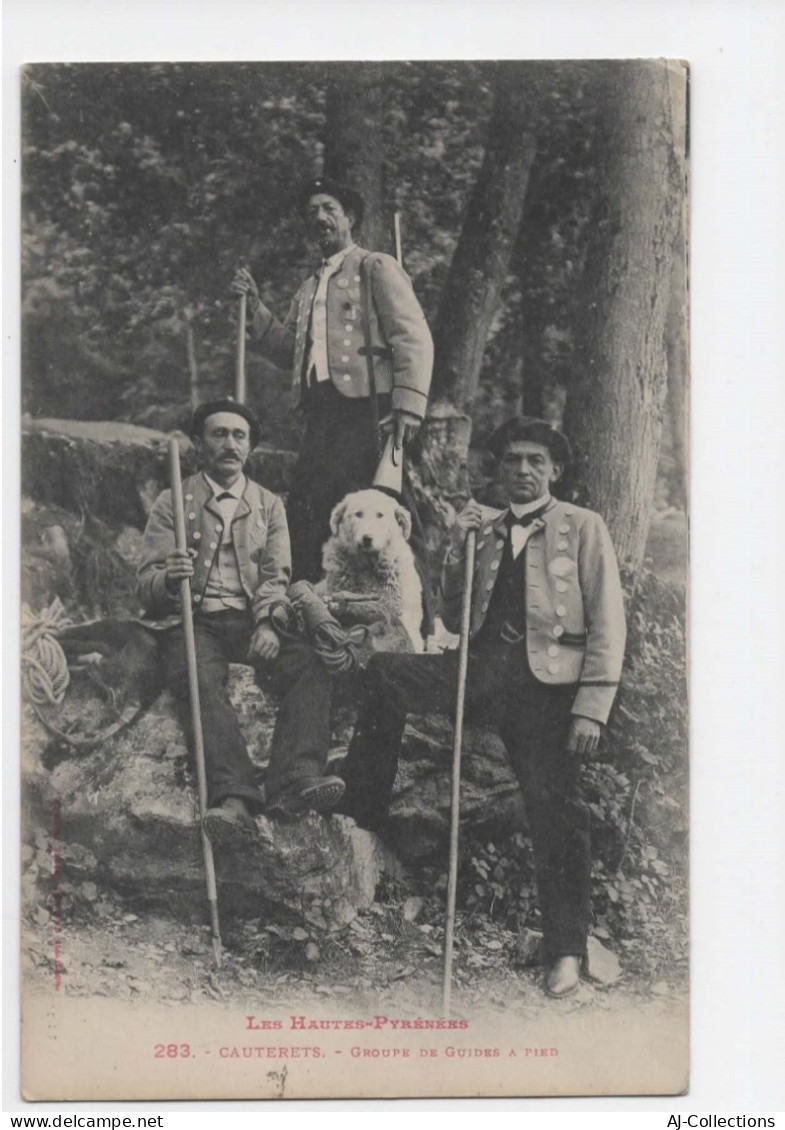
[145, 185]
[499, 882]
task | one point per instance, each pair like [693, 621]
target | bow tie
[525, 519]
[223, 496]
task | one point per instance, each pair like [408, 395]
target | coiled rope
[304, 614]
[45, 674]
[46, 677]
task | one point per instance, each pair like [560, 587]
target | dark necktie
[223, 496]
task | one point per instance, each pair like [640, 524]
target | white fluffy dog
[368, 555]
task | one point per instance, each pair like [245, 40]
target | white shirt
[519, 535]
[227, 506]
[317, 357]
[224, 589]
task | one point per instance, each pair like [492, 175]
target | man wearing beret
[547, 640]
[356, 302]
[238, 563]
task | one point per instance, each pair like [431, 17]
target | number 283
[172, 1051]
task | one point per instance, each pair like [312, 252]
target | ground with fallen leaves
[389, 956]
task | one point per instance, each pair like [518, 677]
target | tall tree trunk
[354, 144]
[471, 293]
[470, 298]
[193, 368]
[614, 414]
[677, 354]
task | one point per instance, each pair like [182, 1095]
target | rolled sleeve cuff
[594, 700]
[161, 597]
[405, 399]
[261, 322]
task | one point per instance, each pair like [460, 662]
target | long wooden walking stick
[463, 659]
[239, 368]
[397, 238]
[193, 694]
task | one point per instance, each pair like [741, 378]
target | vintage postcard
[354, 556]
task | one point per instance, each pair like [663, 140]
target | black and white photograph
[354, 536]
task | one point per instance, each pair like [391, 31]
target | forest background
[543, 211]
[542, 218]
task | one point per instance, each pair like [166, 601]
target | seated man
[238, 563]
[547, 642]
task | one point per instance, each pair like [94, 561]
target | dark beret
[535, 430]
[349, 199]
[227, 404]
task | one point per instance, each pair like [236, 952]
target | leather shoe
[564, 976]
[320, 796]
[229, 823]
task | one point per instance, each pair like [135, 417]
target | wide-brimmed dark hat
[348, 197]
[534, 429]
[226, 404]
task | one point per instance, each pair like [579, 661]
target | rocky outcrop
[130, 804]
[112, 471]
[128, 807]
[420, 814]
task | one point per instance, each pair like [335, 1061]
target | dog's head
[369, 520]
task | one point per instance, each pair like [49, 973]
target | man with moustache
[355, 302]
[238, 563]
[546, 648]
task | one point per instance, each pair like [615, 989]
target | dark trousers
[339, 453]
[302, 727]
[533, 721]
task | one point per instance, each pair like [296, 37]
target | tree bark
[677, 354]
[193, 368]
[478, 268]
[354, 145]
[614, 414]
[470, 300]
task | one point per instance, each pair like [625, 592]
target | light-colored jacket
[400, 338]
[575, 626]
[260, 537]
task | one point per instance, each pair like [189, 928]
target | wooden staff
[397, 452]
[463, 659]
[193, 694]
[239, 369]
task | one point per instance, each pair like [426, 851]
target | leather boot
[564, 976]
[230, 822]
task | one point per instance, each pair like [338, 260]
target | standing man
[238, 564]
[547, 641]
[356, 302]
